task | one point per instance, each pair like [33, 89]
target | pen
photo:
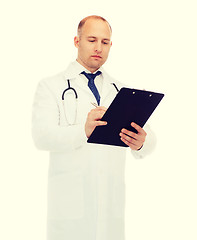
[94, 104]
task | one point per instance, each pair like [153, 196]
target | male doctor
[86, 188]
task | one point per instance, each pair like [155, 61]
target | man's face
[93, 44]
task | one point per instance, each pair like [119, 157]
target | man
[86, 181]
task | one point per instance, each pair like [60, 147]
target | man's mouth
[96, 56]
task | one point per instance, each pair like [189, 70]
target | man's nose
[98, 47]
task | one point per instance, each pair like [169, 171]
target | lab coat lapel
[107, 86]
[74, 77]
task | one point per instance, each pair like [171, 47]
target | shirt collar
[75, 68]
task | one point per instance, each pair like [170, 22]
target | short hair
[83, 21]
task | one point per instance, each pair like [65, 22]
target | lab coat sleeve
[47, 132]
[149, 144]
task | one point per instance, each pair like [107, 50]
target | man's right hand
[93, 120]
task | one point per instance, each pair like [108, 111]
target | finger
[93, 111]
[100, 123]
[138, 143]
[138, 128]
[129, 139]
[96, 115]
[100, 108]
[138, 136]
[130, 133]
[131, 145]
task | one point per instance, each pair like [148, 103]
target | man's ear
[76, 41]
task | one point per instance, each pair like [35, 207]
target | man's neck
[92, 70]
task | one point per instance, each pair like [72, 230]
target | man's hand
[133, 140]
[93, 120]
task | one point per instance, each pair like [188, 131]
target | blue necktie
[91, 84]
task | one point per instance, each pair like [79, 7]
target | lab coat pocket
[118, 200]
[65, 197]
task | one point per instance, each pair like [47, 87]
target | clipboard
[129, 105]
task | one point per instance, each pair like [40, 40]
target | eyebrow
[105, 39]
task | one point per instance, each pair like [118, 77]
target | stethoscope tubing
[69, 88]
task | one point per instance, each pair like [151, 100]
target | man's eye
[91, 40]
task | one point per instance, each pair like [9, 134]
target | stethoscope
[70, 91]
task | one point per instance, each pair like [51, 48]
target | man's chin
[96, 63]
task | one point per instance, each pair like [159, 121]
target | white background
[154, 47]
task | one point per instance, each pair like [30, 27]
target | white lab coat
[86, 187]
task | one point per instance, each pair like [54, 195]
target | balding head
[83, 21]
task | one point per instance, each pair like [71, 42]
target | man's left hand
[133, 140]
